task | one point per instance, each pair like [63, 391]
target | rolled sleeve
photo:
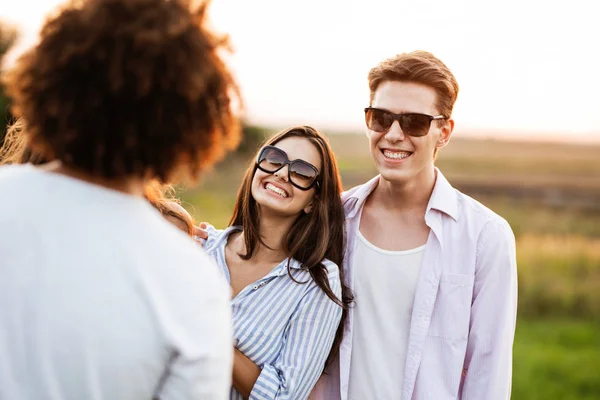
[308, 340]
[488, 362]
[268, 384]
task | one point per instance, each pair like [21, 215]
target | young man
[101, 297]
[433, 271]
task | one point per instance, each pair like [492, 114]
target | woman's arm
[245, 373]
[308, 340]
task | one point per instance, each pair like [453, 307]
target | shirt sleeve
[488, 361]
[308, 340]
[201, 335]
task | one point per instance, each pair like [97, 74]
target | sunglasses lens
[272, 160]
[415, 124]
[302, 174]
[378, 120]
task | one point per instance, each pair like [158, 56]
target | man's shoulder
[350, 192]
[474, 212]
[360, 191]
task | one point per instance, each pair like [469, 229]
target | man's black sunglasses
[412, 124]
[301, 174]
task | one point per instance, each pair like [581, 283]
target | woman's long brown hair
[313, 237]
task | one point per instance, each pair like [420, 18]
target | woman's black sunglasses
[301, 174]
[412, 124]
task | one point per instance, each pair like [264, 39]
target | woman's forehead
[300, 148]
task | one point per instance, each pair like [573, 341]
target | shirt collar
[281, 269]
[294, 264]
[443, 198]
[356, 200]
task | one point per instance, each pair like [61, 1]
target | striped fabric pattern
[284, 327]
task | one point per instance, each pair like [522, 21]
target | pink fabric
[464, 314]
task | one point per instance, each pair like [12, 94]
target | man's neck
[405, 196]
[129, 185]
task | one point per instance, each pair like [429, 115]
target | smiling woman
[282, 256]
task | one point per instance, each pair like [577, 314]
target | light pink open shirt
[464, 313]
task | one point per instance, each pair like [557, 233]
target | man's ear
[445, 133]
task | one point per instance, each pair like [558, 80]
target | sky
[527, 69]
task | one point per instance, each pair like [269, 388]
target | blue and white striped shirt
[284, 327]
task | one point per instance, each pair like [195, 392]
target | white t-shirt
[101, 298]
[384, 290]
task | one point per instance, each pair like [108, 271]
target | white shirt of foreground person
[102, 299]
[464, 314]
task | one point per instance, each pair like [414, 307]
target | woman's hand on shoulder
[200, 233]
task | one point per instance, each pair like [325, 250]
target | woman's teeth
[276, 190]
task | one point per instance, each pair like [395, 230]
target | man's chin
[396, 176]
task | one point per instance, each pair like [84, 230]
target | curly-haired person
[102, 297]
[16, 150]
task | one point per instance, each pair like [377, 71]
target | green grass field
[556, 360]
[550, 195]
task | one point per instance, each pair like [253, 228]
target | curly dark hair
[121, 88]
[161, 196]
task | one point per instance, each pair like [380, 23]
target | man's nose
[395, 133]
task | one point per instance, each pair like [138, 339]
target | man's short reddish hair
[418, 67]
